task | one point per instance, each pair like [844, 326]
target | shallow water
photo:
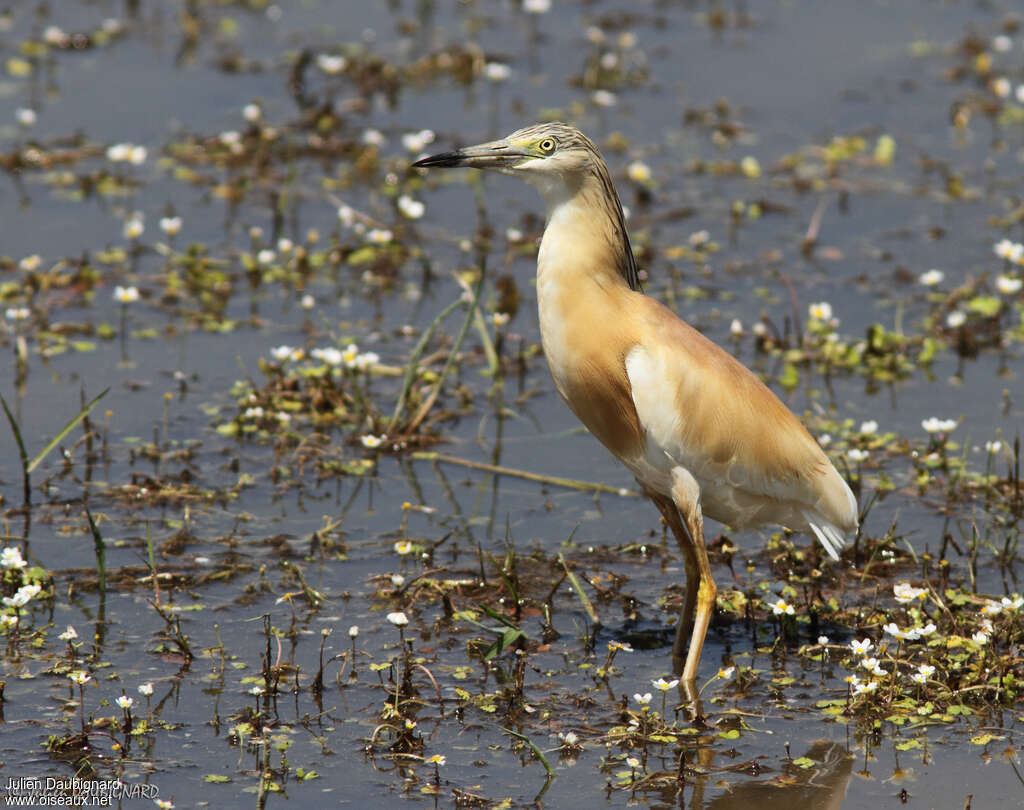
[794, 75]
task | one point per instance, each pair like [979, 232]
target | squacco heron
[701, 433]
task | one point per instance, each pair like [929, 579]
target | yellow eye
[547, 146]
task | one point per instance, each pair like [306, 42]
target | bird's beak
[494, 155]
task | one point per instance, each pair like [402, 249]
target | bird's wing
[705, 411]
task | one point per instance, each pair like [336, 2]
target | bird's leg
[686, 495]
[684, 625]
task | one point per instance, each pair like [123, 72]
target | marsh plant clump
[288, 482]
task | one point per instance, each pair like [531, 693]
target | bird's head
[547, 155]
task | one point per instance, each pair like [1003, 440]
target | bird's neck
[585, 238]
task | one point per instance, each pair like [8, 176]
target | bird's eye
[547, 146]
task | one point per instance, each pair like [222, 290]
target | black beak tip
[445, 160]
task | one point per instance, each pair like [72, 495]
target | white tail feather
[832, 538]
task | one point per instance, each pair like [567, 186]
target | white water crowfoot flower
[11, 559]
[80, 677]
[924, 672]
[146, 689]
[935, 425]
[782, 607]
[1014, 603]
[398, 618]
[24, 595]
[664, 686]
[860, 687]
[1008, 285]
[821, 311]
[134, 227]
[1010, 251]
[857, 455]
[410, 208]
[126, 295]
[913, 634]
[69, 635]
[862, 647]
[725, 673]
[644, 700]
[170, 225]
[905, 592]
[956, 319]
[125, 702]
[873, 666]
[931, 278]
[371, 442]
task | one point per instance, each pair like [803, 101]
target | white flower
[285, 245]
[569, 738]
[1001, 86]
[643, 699]
[436, 759]
[857, 455]
[373, 137]
[119, 152]
[1008, 285]
[993, 446]
[330, 64]
[638, 172]
[31, 262]
[736, 327]
[69, 635]
[698, 238]
[330, 355]
[869, 428]
[956, 319]
[497, 72]
[17, 313]
[935, 425]
[307, 301]
[860, 687]
[10, 558]
[170, 225]
[604, 98]
[1011, 251]
[379, 236]
[137, 155]
[873, 666]
[398, 619]
[133, 227]
[257, 691]
[79, 677]
[903, 635]
[862, 647]
[536, 6]
[366, 360]
[252, 113]
[924, 672]
[253, 413]
[664, 685]
[726, 673]
[353, 631]
[372, 442]
[346, 215]
[266, 256]
[931, 278]
[821, 311]
[1011, 604]
[397, 580]
[26, 116]
[927, 630]
[125, 702]
[410, 208]
[781, 607]
[905, 592]
[1001, 43]
[514, 235]
[24, 595]
[633, 762]
[126, 295]
[281, 353]
[416, 141]
[500, 318]
[403, 547]
[980, 638]
[146, 689]
[823, 640]
[992, 608]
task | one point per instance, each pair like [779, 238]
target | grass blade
[101, 551]
[64, 432]
[21, 448]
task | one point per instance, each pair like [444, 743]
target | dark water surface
[791, 76]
